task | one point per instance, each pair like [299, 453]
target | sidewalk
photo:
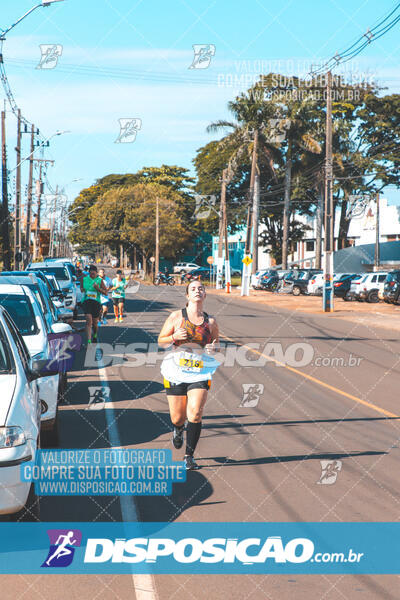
[373, 315]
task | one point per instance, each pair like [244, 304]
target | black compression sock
[193, 431]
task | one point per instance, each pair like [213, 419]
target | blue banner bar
[213, 548]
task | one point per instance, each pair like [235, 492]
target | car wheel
[31, 511]
[50, 437]
[373, 297]
[296, 291]
[62, 388]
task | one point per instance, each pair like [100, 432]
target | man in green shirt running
[92, 287]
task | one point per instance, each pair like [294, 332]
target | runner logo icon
[62, 547]
[330, 470]
[98, 397]
[251, 394]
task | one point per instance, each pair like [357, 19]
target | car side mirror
[61, 328]
[38, 368]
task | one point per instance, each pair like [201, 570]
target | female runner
[187, 370]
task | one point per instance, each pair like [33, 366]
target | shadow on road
[229, 462]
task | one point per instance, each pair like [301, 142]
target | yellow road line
[313, 379]
[318, 381]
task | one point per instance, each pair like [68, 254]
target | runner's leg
[195, 405]
[177, 409]
[88, 326]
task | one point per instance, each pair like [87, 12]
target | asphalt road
[260, 456]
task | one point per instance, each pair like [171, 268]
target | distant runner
[119, 284]
[104, 299]
[92, 287]
[187, 370]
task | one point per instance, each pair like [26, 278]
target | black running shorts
[91, 307]
[181, 389]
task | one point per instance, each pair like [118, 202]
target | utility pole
[256, 204]
[377, 232]
[225, 227]
[318, 227]
[17, 238]
[246, 265]
[286, 206]
[36, 251]
[29, 203]
[327, 298]
[221, 230]
[157, 257]
[251, 194]
[4, 211]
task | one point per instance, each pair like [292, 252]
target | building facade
[362, 231]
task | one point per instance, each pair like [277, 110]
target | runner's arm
[169, 331]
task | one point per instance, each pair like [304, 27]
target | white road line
[144, 585]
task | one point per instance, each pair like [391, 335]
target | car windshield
[59, 273]
[20, 309]
[6, 365]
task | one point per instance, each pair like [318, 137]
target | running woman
[187, 370]
[104, 299]
[92, 287]
[119, 284]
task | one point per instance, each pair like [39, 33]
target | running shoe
[95, 337]
[116, 320]
[190, 463]
[120, 319]
[104, 321]
[89, 341]
[177, 438]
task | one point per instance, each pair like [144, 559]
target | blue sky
[127, 59]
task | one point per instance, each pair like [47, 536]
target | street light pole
[29, 203]
[328, 221]
[17, 235]
[157, 257]
[41, 4]
[377, 232]
[5, 215]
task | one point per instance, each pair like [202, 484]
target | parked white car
[185, 267]
[19, 421]
[63, 276]
[21, 303]
[316, 283]
[370, 286]
[72, 271]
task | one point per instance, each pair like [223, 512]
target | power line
[371, 35]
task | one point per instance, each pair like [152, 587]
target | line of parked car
[37, 307]
[368, 287]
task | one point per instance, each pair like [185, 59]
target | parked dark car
[269, 281]
[300, 280]
[341, 287]
[203, 272]
[391, 290]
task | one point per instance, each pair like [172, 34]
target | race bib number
[91, 295]
[190, 363]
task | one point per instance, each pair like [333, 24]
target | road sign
[152, 259]
[210, 260]
[247, 260]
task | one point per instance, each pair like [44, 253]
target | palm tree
[248, 136]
